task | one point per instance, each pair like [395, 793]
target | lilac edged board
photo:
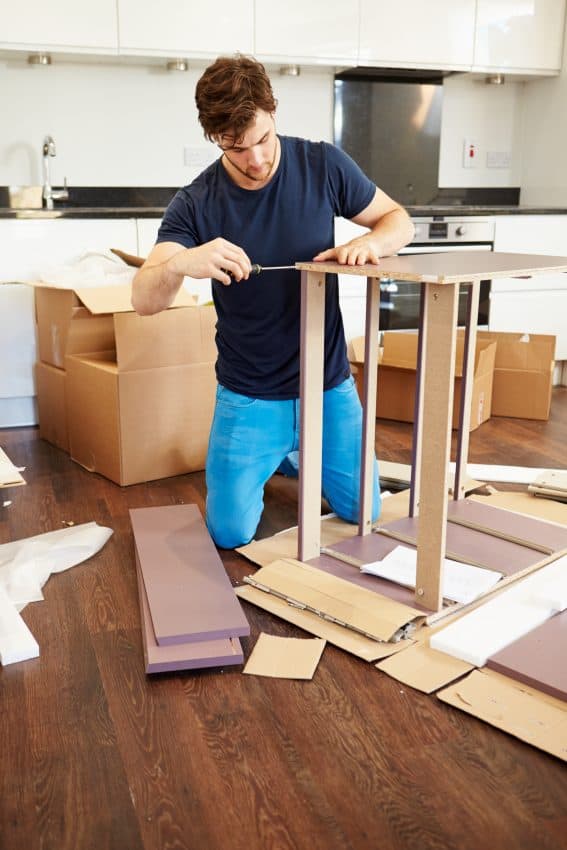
[189, 593]
[182, 656]
[538, 658]
[472, 546]
[525, 530]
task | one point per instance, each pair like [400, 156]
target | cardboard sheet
[358, 645]
[424, 668]
[368, 613]
[285, 658]
[535, 718]
[9, 474]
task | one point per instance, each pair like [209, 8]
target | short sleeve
[178, 223]
[351, 190]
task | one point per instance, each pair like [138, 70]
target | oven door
[399, 300]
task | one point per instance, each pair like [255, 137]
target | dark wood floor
[96, 755]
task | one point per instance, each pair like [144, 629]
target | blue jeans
[251, 437]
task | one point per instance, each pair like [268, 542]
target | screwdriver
[256, 268]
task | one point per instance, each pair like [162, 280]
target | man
[270, 200]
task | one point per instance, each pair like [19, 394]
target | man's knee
[230, 529]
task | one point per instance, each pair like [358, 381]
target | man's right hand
[158, 281]
[218, 259]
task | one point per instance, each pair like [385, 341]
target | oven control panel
[446, 229]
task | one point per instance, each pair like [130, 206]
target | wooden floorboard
[96, 754]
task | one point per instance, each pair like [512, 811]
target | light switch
[470, 154]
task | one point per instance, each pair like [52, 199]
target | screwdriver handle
[255, 268]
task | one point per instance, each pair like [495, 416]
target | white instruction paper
[461, 582]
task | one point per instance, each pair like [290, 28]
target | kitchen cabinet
[320, 31]
[536, 305]
[185, 27]
[438, 34]
[514, 35]
[88, 26]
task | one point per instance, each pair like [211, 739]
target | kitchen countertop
[24, 202]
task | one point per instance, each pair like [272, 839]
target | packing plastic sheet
[25, 566]
[91, 268]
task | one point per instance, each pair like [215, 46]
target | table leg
[441, 301]
[466, 391]
[311, 413]
[368, 447]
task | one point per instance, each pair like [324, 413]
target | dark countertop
[70, 212]
[150, 202]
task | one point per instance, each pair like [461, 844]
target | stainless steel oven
[399, 300]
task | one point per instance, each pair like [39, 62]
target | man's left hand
[357, 252]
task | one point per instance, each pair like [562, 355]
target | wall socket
[198, 156]
[498, 159]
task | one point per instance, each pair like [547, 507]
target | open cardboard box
[397, 376]
[136, 393]
[523, 374]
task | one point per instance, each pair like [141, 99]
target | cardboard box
[397, 374]
[523, 374]
[52, 410]
[138, 391]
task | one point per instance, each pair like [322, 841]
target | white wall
[490, 116]
[127, 125]
[544, 140]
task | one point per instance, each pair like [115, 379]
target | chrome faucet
[49, 194]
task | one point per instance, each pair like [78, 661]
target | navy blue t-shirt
[289, 220]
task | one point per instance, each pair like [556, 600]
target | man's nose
[255, 156]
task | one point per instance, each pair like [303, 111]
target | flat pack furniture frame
[440, 276]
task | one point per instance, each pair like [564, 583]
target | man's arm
[159, 280]
[390, 228]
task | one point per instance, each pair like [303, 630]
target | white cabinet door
[29, 247]
[519, 36]
[538, 304]
[186, 27]
[317, 30]
[436, 34]
[75, 26]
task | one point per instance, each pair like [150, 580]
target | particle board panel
[538, 658]
[182, 656]
[448, 268]
[189, 593]
[533, 533]
[472, 546]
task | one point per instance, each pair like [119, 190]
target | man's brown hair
[229, 94]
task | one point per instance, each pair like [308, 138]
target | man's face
[254, 153]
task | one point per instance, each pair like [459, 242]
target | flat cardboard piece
[9, 475]
[424, 668]
[189, 593]
[533, 717]
[368, 613]
[350, 641]
[538, 659]
[552, 484]
[51, 385]
[400, 473]
[523, 374]
[182, 656]
[284, 658]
